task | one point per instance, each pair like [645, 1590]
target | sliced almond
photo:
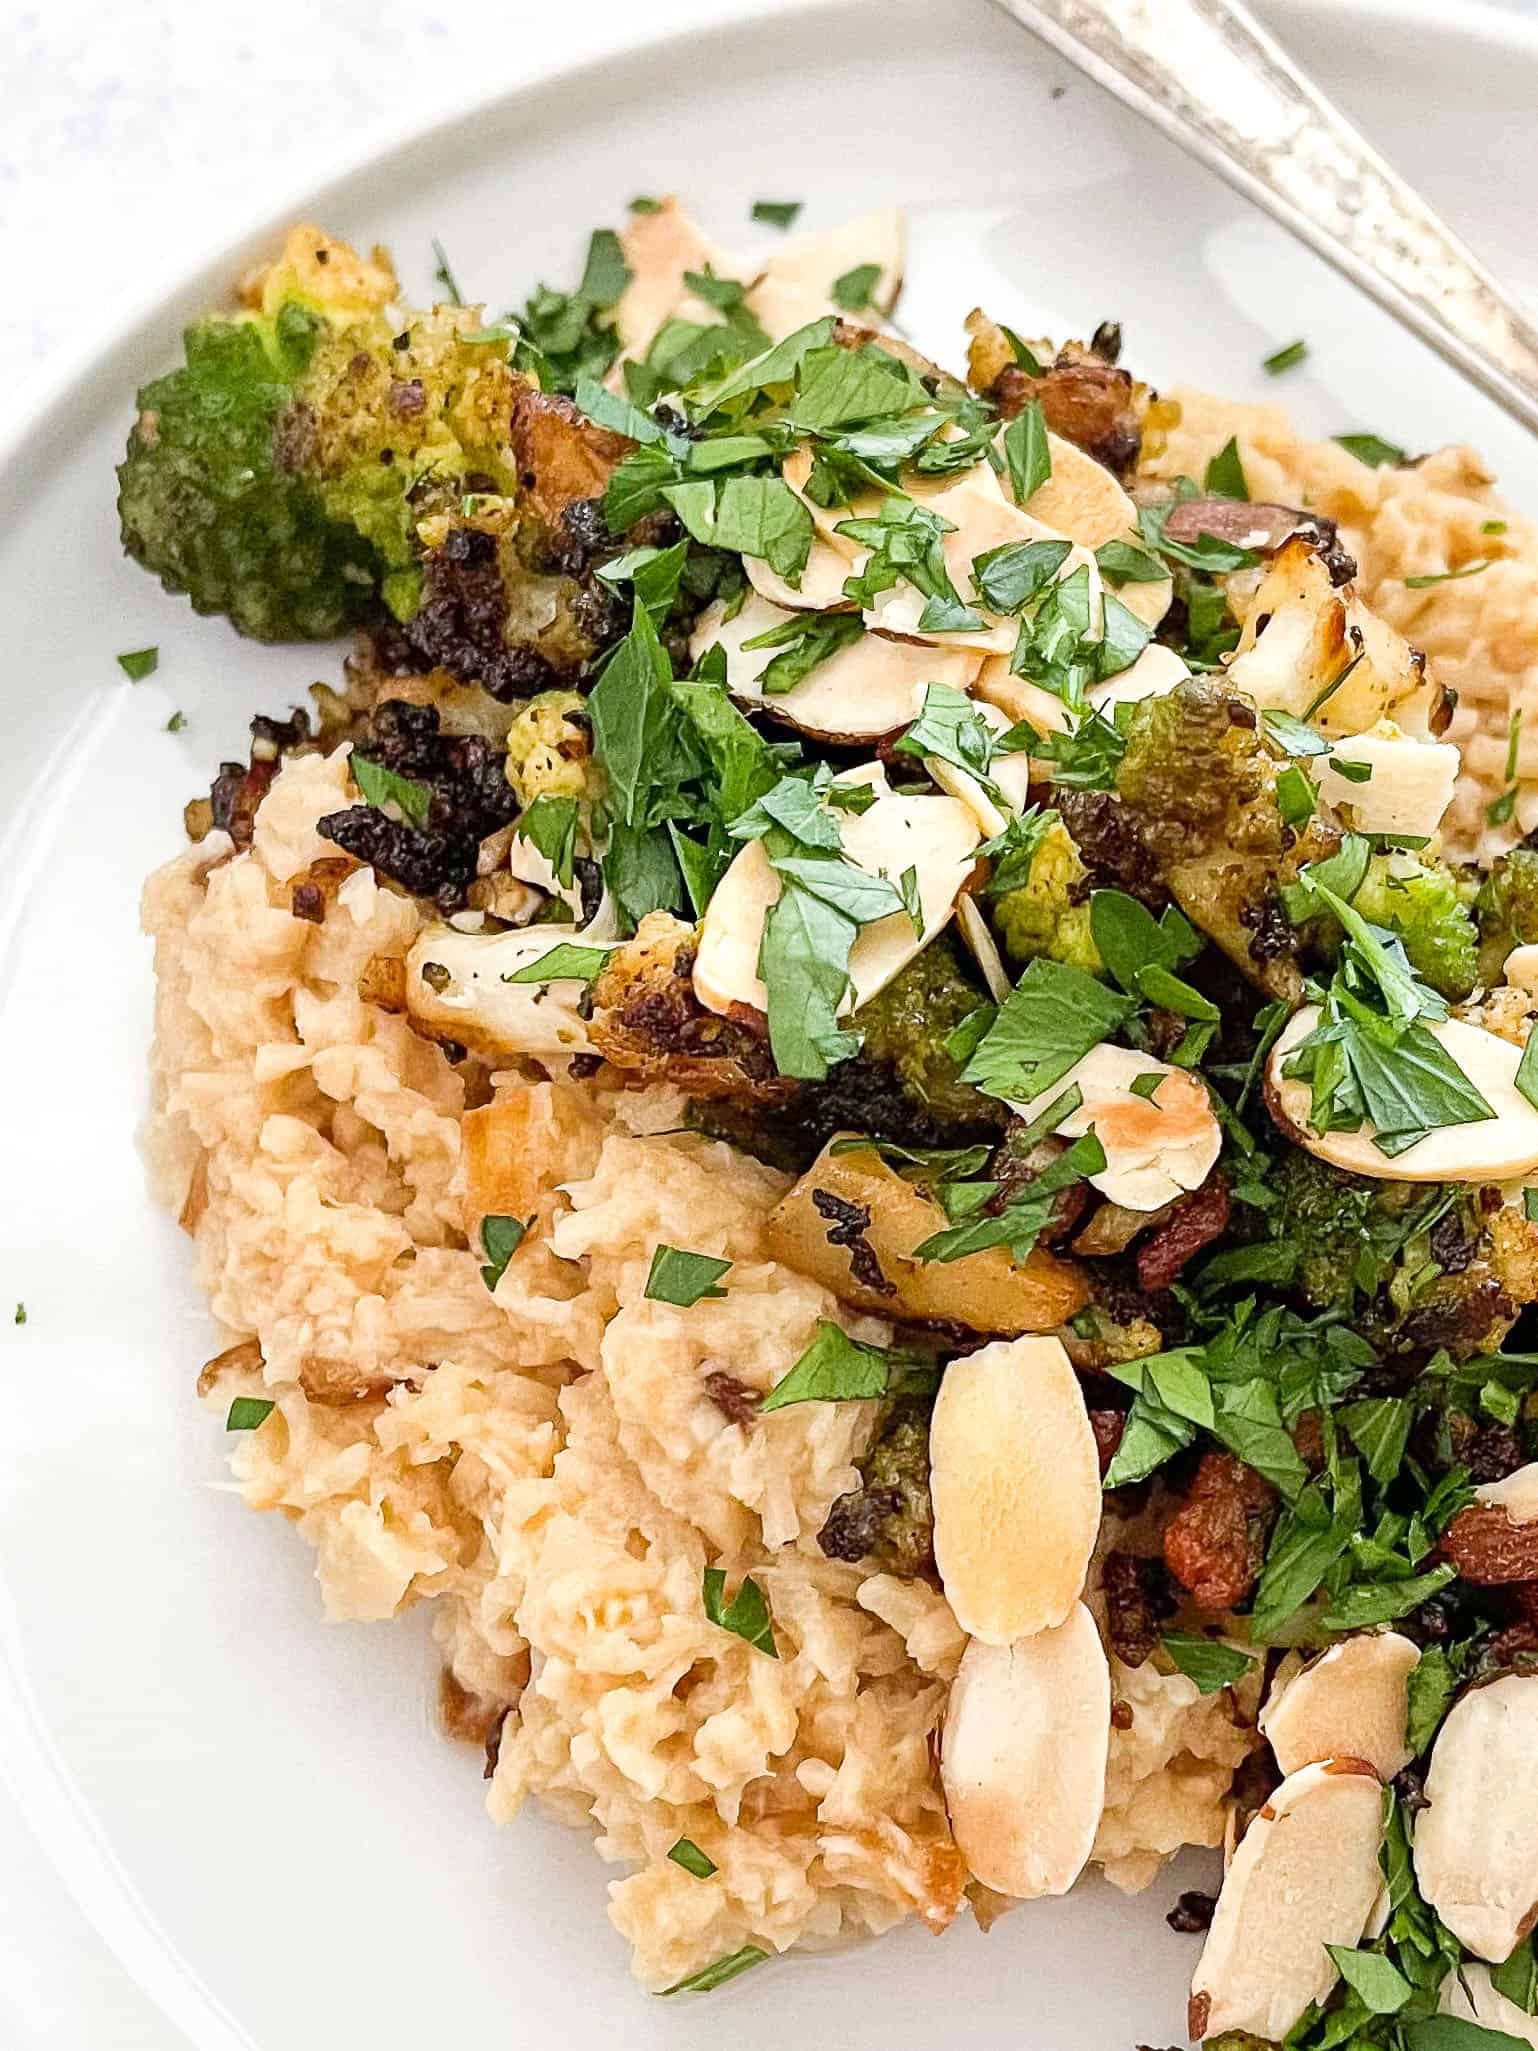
[1408, 788]
[1081, 498]
[796, 284]
[935, 836]
[981, 518]
[1469, 1993]
[1010, 775]
[862, 691]
[1023, 1756]
[1305, 1874]
[1156, 1147]
[984, 948]
[819, 589]
[1157, 670]
[1516, 1494]
[1494, 1149]
[1476, 1846]
[456, 986]
[660, 246]
[1016, 1487]
[1351, 1700]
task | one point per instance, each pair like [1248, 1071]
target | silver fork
[1208, 75]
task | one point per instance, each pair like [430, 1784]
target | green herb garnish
[247, 1412]
[746, 1615]
[683, 1278]
[686, 1853]
[139, 663]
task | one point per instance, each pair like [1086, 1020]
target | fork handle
[1218, 84]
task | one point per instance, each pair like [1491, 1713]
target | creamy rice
[543, 1462]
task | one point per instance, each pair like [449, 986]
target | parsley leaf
[1444, 576]
[1007, 578]
[746, 1615]
[719, 1971]
[1370, 449]
[1287, 358]
[686, 1853]
[654, 575]
[776, 213]
[1027, 452]
[1432, 1684]
[138, 663]
[501, 1238]
[382, 788]
[949, 726]
[905, 543]
[833, 1369]
[563, 963]
[852, 291]
[683, 1278]
[756, 516]
[246, 1412]
[1049, 1021]
[1381, 1985]
[1210, 1664]
[550, 824]
[804, 642]
[1225, 473]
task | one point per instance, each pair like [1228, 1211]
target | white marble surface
[134, 137]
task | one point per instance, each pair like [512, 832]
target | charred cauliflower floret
[1048, 914]
[1200, 786]
[279, 475]
[904, 1033]
[550, 748]
[1507, 910]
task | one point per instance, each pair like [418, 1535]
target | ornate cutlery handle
[1211, 77]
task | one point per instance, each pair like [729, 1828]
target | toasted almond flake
[1157, 670]
[1010, 776]
[1352, 1699]
[1156, 1148]
[1476, 1846]
[1485, 1150]
[820, 588]
[1081, 498]
[659, 247]
[1521, 969]
[1410, 787]
[935, 836]
[796, 284]
[1516, 1494]
[981, 518]
[1469, 1993]
[862, 691]
[974, 930]
[1305, 1874]
[1016, 1488]
[1023, 1756]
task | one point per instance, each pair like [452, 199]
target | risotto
[910, 1237]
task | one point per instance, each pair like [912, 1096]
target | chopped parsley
[176, 723]
[686, 1853]
[777, 213]
[1210, 1664]
[1371, 449]
[386, 790]
[139, 663]
[834, 1369]
[1027, 452]
[853, 290]
[1446, 576]
[683, 1278]
[1287, 358]
[501, 1238]
[720, 1971]
[1225, 473]
[247, 1412]
[746, 1615]
[1050, 1021]
[563, 963]
[443, 275]
[21, 1315]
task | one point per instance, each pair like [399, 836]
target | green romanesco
[280, 475]
[1507, 910]
[1048, 913]
[1420, 901]
[905, 1028]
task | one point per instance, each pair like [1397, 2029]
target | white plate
[223, 1823]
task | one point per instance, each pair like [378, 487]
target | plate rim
[133, 315]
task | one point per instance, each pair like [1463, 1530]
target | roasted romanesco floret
[550, 748]
[1507, 910]
[1048, 913]
[1420, 901]
[280, 475]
